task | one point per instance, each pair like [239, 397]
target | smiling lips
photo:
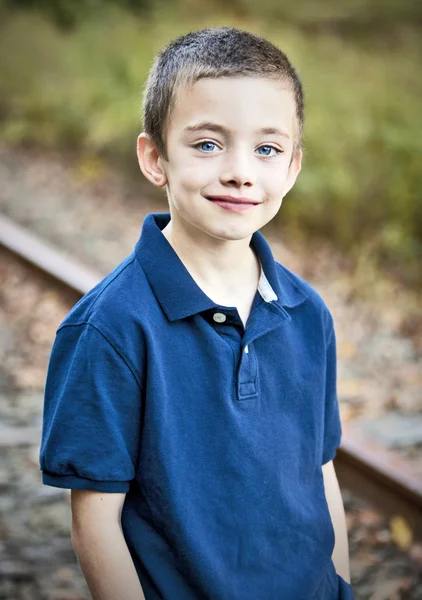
[232, 200]
[233, 204]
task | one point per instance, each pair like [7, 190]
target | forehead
[240, 104]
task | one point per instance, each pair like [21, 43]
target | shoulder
[115, 308]
[114, 296]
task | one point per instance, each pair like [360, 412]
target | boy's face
[230, 155]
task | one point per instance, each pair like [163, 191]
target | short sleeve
[92, 414]
[332, 424]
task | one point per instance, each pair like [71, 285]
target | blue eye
[203, 144]
[270, 148]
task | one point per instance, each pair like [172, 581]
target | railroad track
[366, 468]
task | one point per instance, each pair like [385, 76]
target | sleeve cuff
[81, 483]
[331, 451]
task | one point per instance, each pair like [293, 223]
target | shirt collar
[176, 290]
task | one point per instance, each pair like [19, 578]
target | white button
[246, 349]
[219, 317]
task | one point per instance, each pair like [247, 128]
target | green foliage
[347, 15]
[361, 177]
[66, 14]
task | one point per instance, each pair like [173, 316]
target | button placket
[262, 321]
[247, 374]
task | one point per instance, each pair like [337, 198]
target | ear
[150, 161]
[294, 170]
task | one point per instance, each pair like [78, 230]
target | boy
[190, 401]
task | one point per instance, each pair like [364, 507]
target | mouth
[238, 205]
[233, 200]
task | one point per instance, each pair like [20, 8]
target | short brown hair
[215, 52]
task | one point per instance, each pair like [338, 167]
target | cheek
[191, 177]
[274, 179]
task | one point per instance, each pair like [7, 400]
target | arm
[335, 505]
[100, 546]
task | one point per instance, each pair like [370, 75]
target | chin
[231, 231]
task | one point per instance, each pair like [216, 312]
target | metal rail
[46, 258]
[380, 476]
[363, 466]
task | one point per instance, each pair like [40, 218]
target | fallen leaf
[401, 533]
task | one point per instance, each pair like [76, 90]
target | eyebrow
[209, 126]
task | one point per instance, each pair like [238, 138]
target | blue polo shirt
[216, 432]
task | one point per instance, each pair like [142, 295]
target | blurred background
[71, 79]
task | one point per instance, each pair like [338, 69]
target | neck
[222, 265]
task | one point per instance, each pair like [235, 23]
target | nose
[237, 169]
